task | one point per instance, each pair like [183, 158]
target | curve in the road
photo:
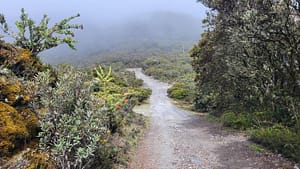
[178, 139]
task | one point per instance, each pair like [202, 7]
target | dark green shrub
[280, 139]
[142, 94]
[262, 119]
[184, 91]
[178, 91]
[205, 102]
[236, 121]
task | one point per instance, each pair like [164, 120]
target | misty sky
[98, 11]
[102, 18]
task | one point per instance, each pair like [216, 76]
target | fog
[113, 25]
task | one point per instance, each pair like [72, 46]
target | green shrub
[178, 91]
[262, 119]
[206, 102]
[142, 94]
[73, 120]
[125, 126]
[126, 79]
[182, 91]
[280, 139]
[236, 121]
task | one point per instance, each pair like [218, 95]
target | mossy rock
[31, 121]
[7, 52]
[20, 61]
[12, 91]
[13, 130]
[39, 160]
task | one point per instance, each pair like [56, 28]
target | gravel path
[180, 140]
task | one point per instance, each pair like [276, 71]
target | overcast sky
[97, 11]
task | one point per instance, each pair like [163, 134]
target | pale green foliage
[72, 118]
[4, 25]
[38, 38]
[103, 78]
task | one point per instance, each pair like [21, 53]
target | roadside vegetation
[247, 70]
[63, 117]
[176, 71]
[244, 71]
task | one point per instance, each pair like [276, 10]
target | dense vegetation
[63, 117]
[175, 70]
[247, 69]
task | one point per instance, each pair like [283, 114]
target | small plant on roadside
[236, 121]
[279, 139]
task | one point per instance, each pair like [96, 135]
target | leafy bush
[127, 79]
[182, 91]
[262, 119]
[236, 121]
[205, 102]
[280, 139]
[72, 119]
[178, 91]
[142, 94]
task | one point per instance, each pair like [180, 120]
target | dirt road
[180, 140]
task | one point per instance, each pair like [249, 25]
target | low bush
[262, 119]
[142, 94]
[74, 120]
[279, 139]
[178, 91]
[236, 121]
